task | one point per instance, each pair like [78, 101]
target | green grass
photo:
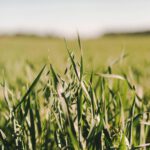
[17, 52]
[98, 51]
[88, 103]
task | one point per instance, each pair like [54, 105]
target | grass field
[98, 54]
[98, 100]
[97, 51]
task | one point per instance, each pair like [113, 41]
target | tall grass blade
[30, 88]
[32, 129]
[54, 77]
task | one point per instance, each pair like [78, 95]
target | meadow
[90, 94]
[99, 53]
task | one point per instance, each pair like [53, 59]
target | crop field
[75, 94]
[101, 52]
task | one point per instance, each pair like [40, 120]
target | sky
[67, 17]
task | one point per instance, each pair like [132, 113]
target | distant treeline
[139, 33]
[30, 35]
[53, 36]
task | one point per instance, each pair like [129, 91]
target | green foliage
[75, 111]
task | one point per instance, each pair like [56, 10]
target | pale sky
[66, 17]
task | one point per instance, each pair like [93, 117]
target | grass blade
[54, 77]
[32, 129]
[30, 88]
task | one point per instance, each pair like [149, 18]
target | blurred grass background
[17, 51]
